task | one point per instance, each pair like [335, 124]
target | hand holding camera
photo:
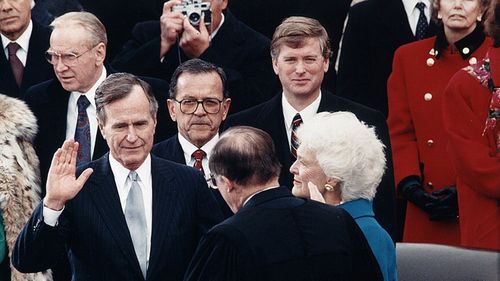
[186, 20]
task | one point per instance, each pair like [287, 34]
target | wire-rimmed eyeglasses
[69, 59]
[210, 105]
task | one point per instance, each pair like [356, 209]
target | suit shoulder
[38, 92]
[344, 104]
[146, 26]
[163, 147]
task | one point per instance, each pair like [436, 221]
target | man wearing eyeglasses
[65, 107]
[198, 102]
[23, 42]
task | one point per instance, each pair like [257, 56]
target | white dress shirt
[189, 148]
[120, 174]
[23, 41]
[413, 13]
[72, 114]
[306, 113]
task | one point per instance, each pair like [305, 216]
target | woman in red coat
[421, 70]
[471, 116]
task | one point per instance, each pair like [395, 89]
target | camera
[193, 9]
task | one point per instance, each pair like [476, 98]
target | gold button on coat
[430, 142]
[430, 61]
[472, 60]
[465, 50]
[428, 96]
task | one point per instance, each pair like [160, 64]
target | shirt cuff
[51, 217]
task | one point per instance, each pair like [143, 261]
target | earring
[479, 18]
[329, 187]
[440, 16]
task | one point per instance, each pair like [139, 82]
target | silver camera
[194, 9]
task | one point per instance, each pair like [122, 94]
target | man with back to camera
[126, 216]
[198, 103]
[274, 235]
[301, 55]
[158, 47]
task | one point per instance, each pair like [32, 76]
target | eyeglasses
[210, 105]
[212, 183]
[69, 59]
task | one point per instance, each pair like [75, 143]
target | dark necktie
[82, 132]
[135, 216]
[15, 63]
[198, 160]
[422, 22]
[297, 120]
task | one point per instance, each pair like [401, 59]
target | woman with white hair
[340, 161]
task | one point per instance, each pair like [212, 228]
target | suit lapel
[36, 66]
[103, 191]
[177, 154]
[164, 196]
[7, 80]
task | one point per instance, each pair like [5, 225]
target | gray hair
[89, 22]
[346, 149]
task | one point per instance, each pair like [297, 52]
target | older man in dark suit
[274, 235]
[77, 52]
[301, 53]
[24, 43]
[158, 47]
[127, 215]
[198, 103]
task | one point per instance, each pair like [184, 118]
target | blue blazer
[93, 227]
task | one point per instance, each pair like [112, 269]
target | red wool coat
[474, 156]
[415, 95]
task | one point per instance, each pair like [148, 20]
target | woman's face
[306, 169]
[459, 15]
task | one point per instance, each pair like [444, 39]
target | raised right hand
[62, 184]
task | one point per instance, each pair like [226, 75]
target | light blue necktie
[136, 221]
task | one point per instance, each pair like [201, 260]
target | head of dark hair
[118, 86]
[196, 66]
[246, 156]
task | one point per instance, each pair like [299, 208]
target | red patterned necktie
[297, 120]
[15, 63]
[198, 156]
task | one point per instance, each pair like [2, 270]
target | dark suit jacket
[49, 103]
[269, 117]
[375, 29]
[277, 236]
[242, 52]
[94, 229]
[171, 149]
[37, 69]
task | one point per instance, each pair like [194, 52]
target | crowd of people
[206, 147]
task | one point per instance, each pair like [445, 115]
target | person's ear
[171, 109]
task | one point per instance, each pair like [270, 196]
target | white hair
[346, 149]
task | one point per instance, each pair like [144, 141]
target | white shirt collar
[214, 32]
[410, 8]
[23, 40]
[306, 113]
[189, 148]
[120, 173]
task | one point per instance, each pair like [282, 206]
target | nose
[293, 169]
[200, 110]
[131, 134]
[59, 66]
[5, 5]
[300, 67]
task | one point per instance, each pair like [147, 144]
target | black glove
[416, 195]
[447, 206]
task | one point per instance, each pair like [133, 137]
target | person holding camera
[206, 30]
